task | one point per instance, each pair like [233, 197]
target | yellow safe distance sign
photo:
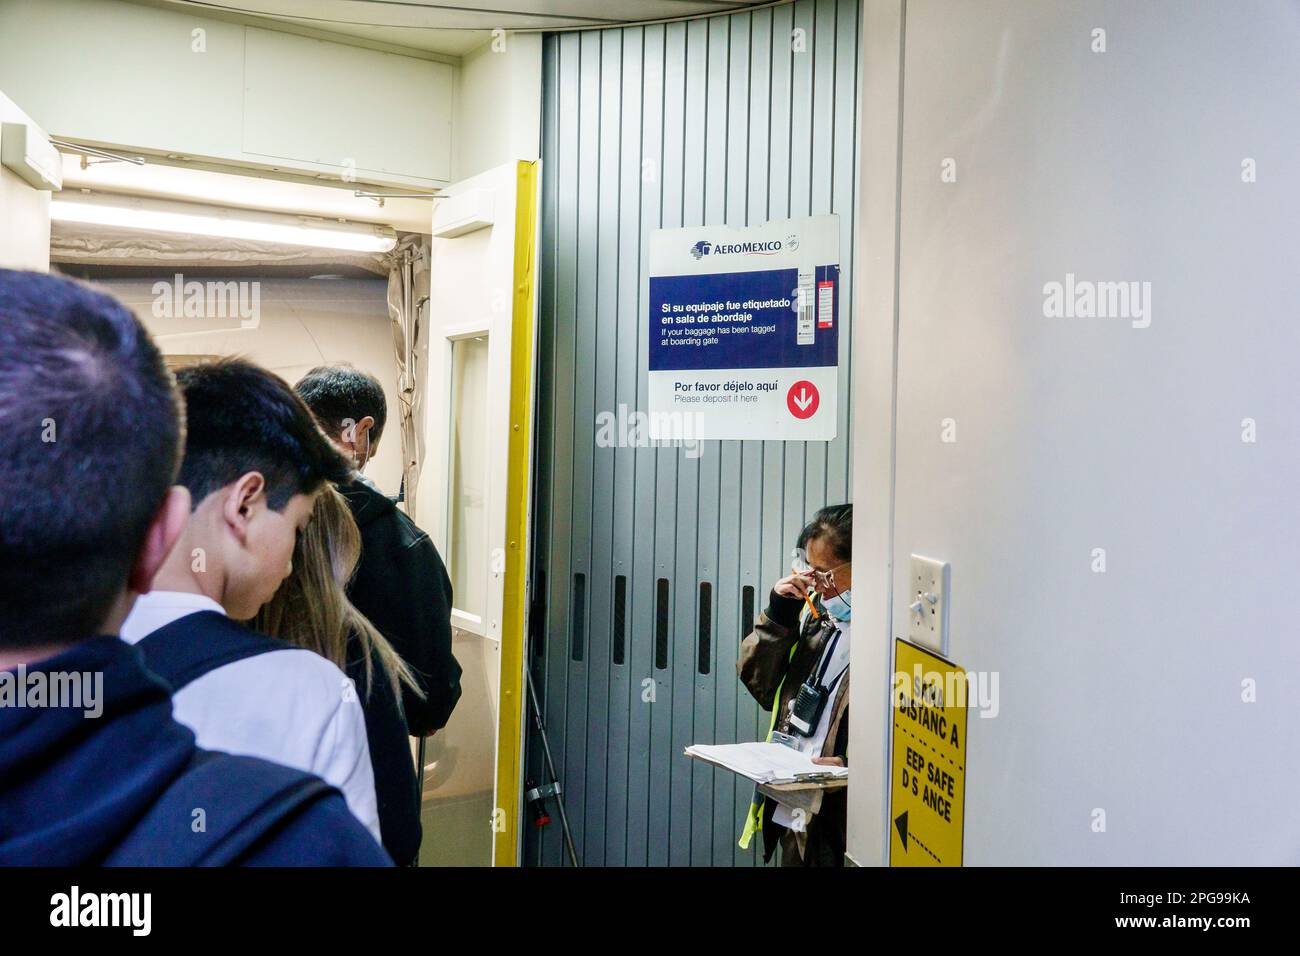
[928, 792]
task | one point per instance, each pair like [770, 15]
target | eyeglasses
[825, 580]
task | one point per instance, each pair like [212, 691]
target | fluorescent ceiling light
[245, 189]
[193, 219]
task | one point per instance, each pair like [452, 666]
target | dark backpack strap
[216, 811]
[199, 643]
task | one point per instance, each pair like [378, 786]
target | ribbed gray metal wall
[651, 564]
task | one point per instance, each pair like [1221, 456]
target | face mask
[838, 607]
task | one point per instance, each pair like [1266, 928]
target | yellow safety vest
[754, 819]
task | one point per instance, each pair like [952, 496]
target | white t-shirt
[836, 668]
[292, 707]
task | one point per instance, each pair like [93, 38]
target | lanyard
[831, 686]
[827, 653]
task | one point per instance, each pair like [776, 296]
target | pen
[816, 616]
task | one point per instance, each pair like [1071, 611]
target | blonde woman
[312, 611]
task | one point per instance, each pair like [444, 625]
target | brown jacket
[766, 663]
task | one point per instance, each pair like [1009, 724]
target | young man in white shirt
[254, 461]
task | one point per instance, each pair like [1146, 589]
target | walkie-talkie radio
[806, 711]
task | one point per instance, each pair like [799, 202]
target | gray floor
[457, 831]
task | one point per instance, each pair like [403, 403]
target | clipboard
[802, 794]
[803, 782]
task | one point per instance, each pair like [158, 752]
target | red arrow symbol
[802, 399]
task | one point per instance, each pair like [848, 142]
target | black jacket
[396, 788]
[402, 586]
[77, 791]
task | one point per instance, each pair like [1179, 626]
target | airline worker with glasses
[796, 663]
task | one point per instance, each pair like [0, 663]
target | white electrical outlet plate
[928, 586]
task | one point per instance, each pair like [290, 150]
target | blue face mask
[838, 607]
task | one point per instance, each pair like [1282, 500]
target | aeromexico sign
[744, 329]
[704, 248]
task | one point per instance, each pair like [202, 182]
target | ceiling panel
[459, 26]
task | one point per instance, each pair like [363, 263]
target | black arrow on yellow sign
[901, 823]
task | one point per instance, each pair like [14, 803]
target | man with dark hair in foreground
[254, 462]
[97, 771]
[401, 584]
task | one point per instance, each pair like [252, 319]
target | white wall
[874, 336]
[1122, 690]
[102, 71]
[24, 211]
[303, 323]
[498, 105]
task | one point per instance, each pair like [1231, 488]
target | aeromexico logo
[705, 248]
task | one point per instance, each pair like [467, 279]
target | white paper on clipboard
[764, 762]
